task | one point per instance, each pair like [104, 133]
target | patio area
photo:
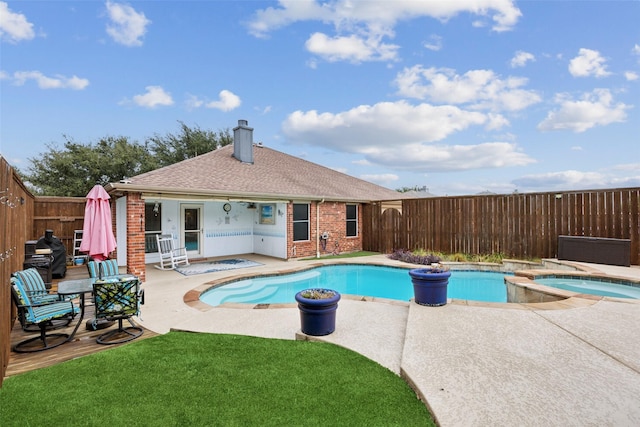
[83, 343]
[573, 362]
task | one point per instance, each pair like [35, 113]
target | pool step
[250, 296]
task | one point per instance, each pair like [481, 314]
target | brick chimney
[243, 142]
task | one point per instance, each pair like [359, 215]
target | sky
[460, 97]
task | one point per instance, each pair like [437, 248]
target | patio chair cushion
[117, 297]
[32, 283]
[109, 268]
[36, 312]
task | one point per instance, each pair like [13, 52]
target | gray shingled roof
[273, 175]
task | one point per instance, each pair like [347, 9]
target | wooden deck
[84, 342]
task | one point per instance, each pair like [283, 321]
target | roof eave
[118, 189]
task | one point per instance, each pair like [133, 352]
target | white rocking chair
[170, 257]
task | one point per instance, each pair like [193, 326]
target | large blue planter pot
[318, 316]
[429, 286]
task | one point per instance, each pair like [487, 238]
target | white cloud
[571, 179]
[126, 25]
[448, 158]
[363, 24]
[434, 43]
[521, 58]
[631, 76]
[636, 49]
[617, 176]
[353, 48]
[154, 97]
[588, 63]
[380, 179]
[192, 102]
[14, 27]
[263, 110]
[633, 167]
[379, 125]
[45, 82]
[474, 187]
[594, 109]
[345, 13]
[228, 101]
[481, 89]
[398, 134]
[291, 11]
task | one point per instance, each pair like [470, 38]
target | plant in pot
[430, 284]
[318, 308]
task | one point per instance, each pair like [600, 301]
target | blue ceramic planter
[318, 316]
[429, 287]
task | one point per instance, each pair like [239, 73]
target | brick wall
[135, 236]
[333, 217]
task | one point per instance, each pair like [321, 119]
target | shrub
[414, 257]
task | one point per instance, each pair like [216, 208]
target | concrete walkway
[574, 362]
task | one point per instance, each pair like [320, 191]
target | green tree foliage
[407, 189]
[75, 169]
[190, 142]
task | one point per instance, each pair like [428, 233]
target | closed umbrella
[97, 232]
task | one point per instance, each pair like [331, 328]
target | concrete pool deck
[571, 362]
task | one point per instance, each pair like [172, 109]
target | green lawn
[182, 378]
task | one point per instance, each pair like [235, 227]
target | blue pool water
[366, 280]
[593, 287]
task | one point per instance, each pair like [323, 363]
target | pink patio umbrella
[97, 232]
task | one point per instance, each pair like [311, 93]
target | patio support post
[135, 236]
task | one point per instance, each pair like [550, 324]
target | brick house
[241, 198]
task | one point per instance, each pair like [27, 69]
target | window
[300, 222]
[152, 226]
[352, 220]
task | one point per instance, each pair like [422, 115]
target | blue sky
[459, 96]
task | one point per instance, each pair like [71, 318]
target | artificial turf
[183, 378]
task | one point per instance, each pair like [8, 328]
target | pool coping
[538, 296]
[523, 288]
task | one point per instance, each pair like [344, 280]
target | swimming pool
[365, 280]
[591, 286]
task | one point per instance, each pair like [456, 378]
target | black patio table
[76, 287]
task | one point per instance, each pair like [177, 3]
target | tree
[415, 188]
[171, 149]
[74, 170]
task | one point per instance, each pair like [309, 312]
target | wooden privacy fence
[16, 224]
[516, 225]
[63, 215]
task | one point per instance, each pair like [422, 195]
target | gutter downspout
[318, 228]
